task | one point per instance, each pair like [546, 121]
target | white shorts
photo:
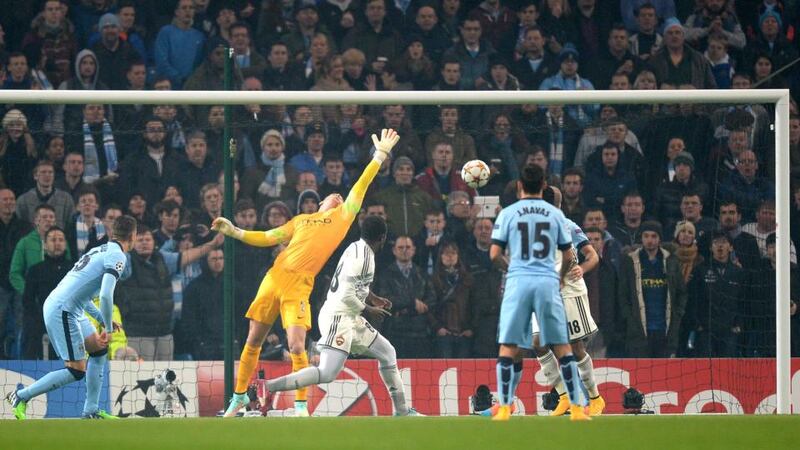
[352, 335]
[579, 321]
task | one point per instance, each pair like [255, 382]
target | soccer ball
[475, 173]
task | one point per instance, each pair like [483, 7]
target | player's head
[531, 181]
[330, 202]
[373, 231]
[552, 195]
[124, 231]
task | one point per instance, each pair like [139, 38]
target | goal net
[688, 319]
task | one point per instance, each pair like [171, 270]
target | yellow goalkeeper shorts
[284, 293]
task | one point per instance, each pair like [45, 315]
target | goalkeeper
[285, 290]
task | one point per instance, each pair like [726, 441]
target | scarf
[275, 177]
[91, 171]
[556, 157]
[86, 233]
[177, 138]
[688, 259]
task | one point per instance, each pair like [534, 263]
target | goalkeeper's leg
[331, 362]
[248, 361]
[296, 336]
[382, 350]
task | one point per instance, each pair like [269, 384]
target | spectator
[451, 133]
[176, 138]
[592, 22]
[450, 74]
[568, 79]
[616, 60]
[137, 208]
[646, 40]
[415, 66]
[485, 298]
[114, 54]
[665, 168]
[653, 297]
[746, 188]
[308, 202]
[87, 78]
[558, 22]
[512, 45]
[451, 317]
[628, 8]
[606, 185]
[71, 179]
[763, 76]
[129, 118]
[45, 193]
[274, 215]
[476, 250]
[128, 30]
[54, 152]
[594, 136]
[209, 75]
[412, 297]
[472, 54]
[460, 216]
[722, 65]
[764, 226]
[334, 180]
[354, 73]
[441, 177]
[330, 78]
[716, 302]
[686, 249]
[407, 201]
[692, 211]
[40, 280]
[85, 230]
[149, 170]
[18, 153]
[503, 142]
[12, 230]
[722, 160]
[20, 76]
[178, 46]
[429, 240]
[628, 230]
[536, 64]
[745, 247]
[601, 285]
[210, 204]
[298, 41]
[715, 17]
[98, 144]
[281, 72]
[572, 195]
[197, 169]
[311, 159]
[169, 218]
[496, 20]
[558, 134]
[395, 117]
[771, 40]
[29, 249]
[376, 37]
[669, 194]
[225, 17]
[251, 262]
[85, 16]
[431, 34]
[676, 63]
[248, 61]
[51, 41]
[594, 217]
[630, 159]
[201, 320]
[145, 299]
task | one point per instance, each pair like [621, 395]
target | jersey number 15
[538, 236]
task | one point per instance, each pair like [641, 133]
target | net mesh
[703, 174]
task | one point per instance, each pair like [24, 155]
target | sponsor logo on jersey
[325, 221]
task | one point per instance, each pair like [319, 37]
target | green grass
[378, 433]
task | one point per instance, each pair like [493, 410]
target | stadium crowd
[678, 200]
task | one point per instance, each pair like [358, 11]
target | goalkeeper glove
[384, 145]
[225, 227]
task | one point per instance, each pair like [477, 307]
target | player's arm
[499, 242]
[107, 299]
[93, 312]
[564, 239]
[378, 301]
[193, 254]
[383, 147]
[590, 257]
[269, 238]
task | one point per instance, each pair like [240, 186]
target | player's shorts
[580, 323]
[350, 334]
[67, 333]
[522, 297]
[284, 293]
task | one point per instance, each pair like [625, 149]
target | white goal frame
[778, 97]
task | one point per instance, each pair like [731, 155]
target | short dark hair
[240, 24]
[647, 5]
[243, 205]
[41, 207]
[89, 190]
[52, 229]
[725, 203]
[124, 227]
[166, 206]
[373, 229]
[532, 179]
[576, 171]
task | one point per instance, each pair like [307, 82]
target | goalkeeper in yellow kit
[312, 239]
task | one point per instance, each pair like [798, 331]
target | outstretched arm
[269, 238]
[383, 147]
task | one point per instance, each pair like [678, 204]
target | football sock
[94, 381]
[247, 365]
[300, 362]
[505, 369]
[586, 369]
[569, 373]
[550, 368]
[394, 384]
[50, 382]
[331, 363]
[516, 378]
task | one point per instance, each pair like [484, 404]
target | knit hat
[684, 158]
[568, 51]
[684, 225]
[770, 13]
[672, 22]
[402, 161]
[14, 115]
[273, 133]
[308, 193]
[315, 127]
[652, 225]
[108, 20]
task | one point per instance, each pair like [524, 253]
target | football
[475, 173]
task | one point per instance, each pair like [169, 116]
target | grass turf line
[379, 433]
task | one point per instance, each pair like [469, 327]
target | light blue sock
[516, 378]
[47, 383]
[572, 381]
[505, 370]
[94, 382]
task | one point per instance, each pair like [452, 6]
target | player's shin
[94, 380]
[550, 370]
[51, 382]
[300, 362]
[516, 378]
[247, 366]
[394, 384]
[505, 369]
[572, 381]
[586, 369]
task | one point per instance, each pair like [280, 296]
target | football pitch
[378, 433]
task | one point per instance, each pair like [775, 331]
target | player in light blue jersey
[70, 332]
[533, 230]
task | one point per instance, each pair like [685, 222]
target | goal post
[779, 98]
